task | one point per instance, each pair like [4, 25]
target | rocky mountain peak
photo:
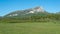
[38, 9]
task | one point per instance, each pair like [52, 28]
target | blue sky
[7, 6]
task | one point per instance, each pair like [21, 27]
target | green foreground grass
[29, 28]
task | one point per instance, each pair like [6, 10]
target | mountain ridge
[27, 11]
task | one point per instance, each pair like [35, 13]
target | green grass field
[29, 28]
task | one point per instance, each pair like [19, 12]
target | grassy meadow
[29, 28]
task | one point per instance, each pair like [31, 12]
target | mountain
[27, 12]
[0, 17]
[58, 12]
[36, 14]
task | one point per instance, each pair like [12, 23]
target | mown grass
[29, 28]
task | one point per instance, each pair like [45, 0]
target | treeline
[34, 18]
